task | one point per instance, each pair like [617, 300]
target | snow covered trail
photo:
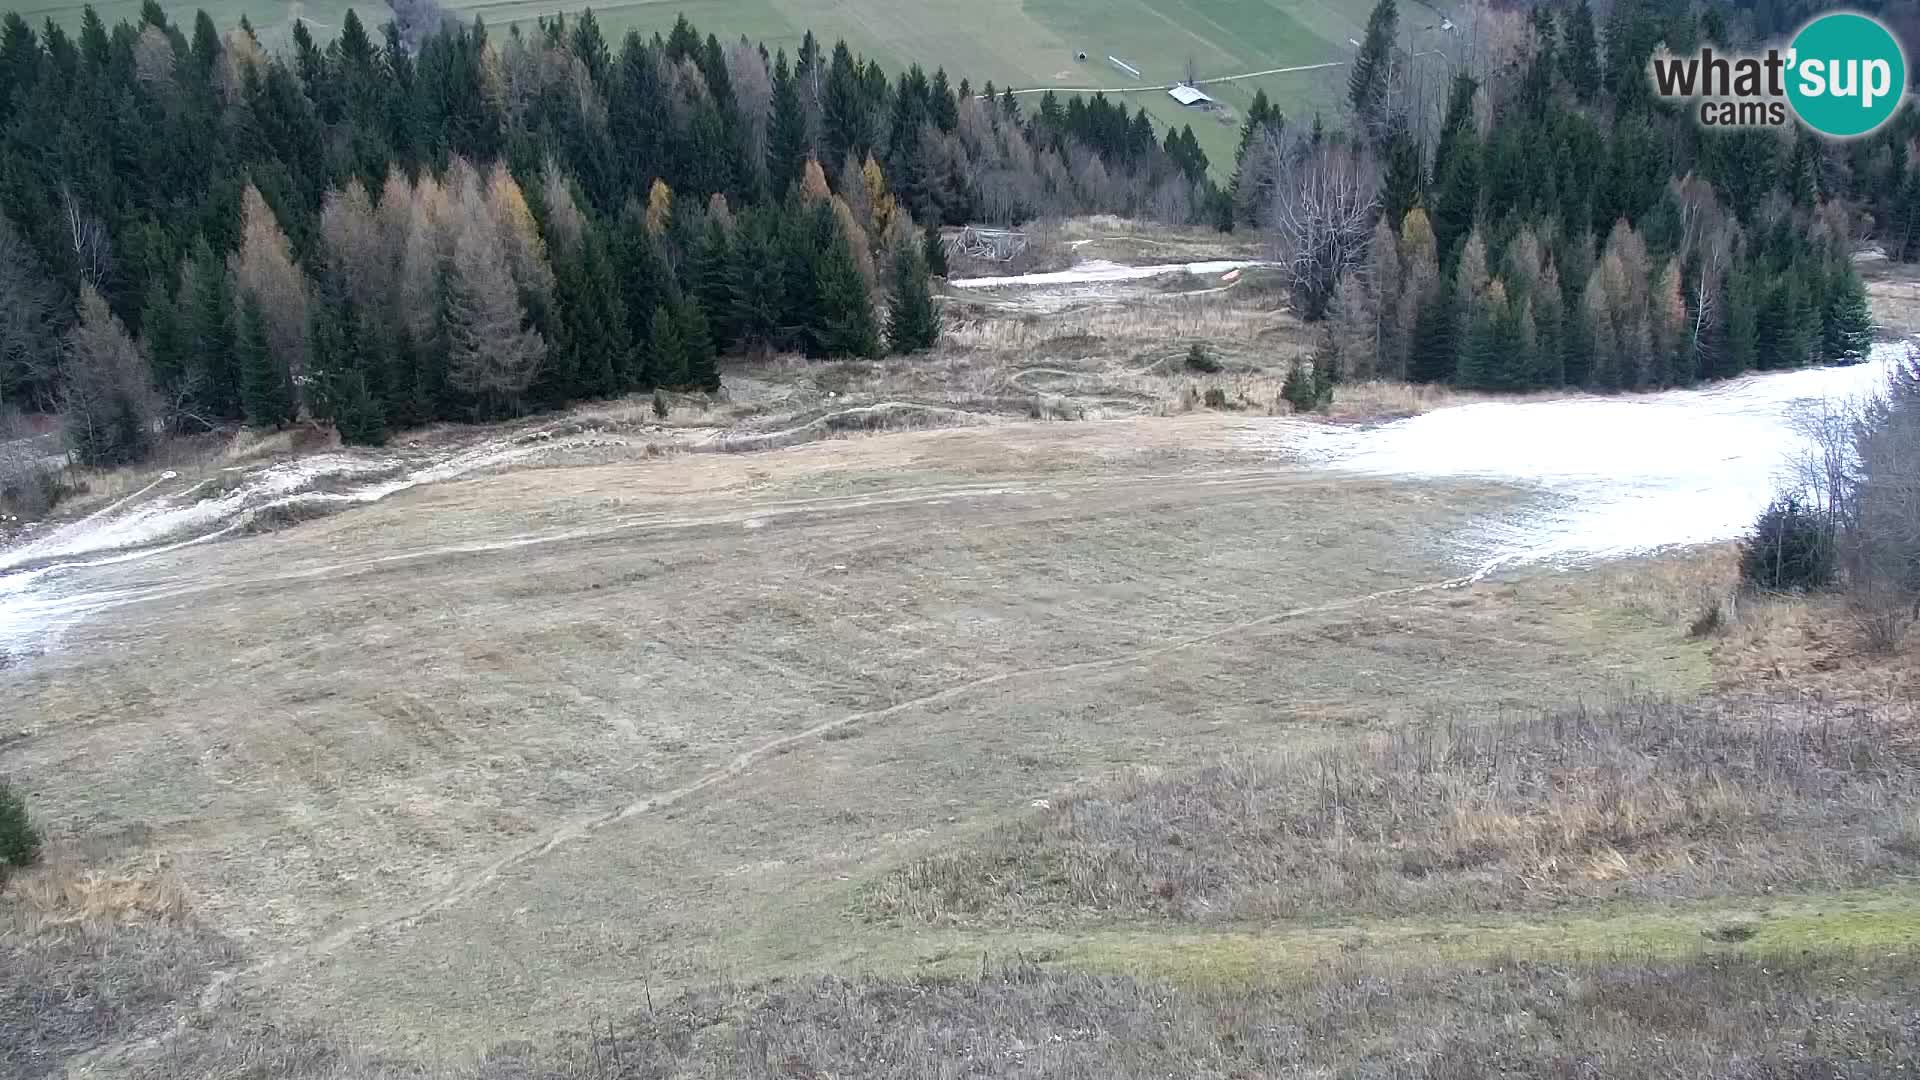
[1634, 473]
[40, 591]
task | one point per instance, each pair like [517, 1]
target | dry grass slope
[88, 957]
[1710, 1016]
[1640, 800]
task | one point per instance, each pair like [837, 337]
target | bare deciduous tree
[1321, 216]
[519, 236]
[87, 238]
[153, 58]
[418, 20]
[107, 402]
[525, 70]
[362, 246]
[753, 92]
[1618, 310]
[1706, 230]
[565, 223]
[491, 353]
[263, 268]
[1880, 550]
[425, 249]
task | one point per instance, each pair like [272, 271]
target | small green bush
[1216, 398]
[1199, 359]
[1308, 388]
[1791, 548]
[19, 840]
[660, 406]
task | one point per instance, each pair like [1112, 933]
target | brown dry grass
[1708, 1016]
[91, 954]
[1638, 800]
[1893, 293]
[1799, 644]
[1379, 399]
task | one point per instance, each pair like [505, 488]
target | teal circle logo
[1846, 75]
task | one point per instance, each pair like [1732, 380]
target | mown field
[1024, 43]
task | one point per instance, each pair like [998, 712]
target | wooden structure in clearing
[990, 245]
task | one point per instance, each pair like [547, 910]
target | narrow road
[1169, 86]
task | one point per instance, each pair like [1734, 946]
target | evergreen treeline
[437, 222]
[1561, 227]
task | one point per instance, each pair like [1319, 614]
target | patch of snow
[1632, 474]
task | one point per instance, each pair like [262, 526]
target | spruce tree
[1309, 384]
[646, 284]
[1847, 326]
[696, 343]
[1580, 58]
[210, 318]
[713, 283]
[1456, 171]
[597, 355]
[1740, 339]
[1549, 320]
[1432, 357]
[357, 415]
[1479, 363]
[343, 397]
[163, 335]
[266, 393]
[933, 248]
[786, 129]
[1367, 79]
[1789, 322]
[842, 323]
[666, 356]
[913, 320]
[759, 287]
[559, 379]
[19, 840]
[1400, 187]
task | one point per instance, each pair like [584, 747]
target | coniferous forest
[433, 220]
[440, 222]
[1539, 219]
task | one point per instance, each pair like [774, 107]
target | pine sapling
[19, 840]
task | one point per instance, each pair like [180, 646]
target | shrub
[1199, 359]
[1791, 548]
[1709, 620]
[660, 407]
[30, 487]
[1216, 398]
[1309, 387]
[19, 840]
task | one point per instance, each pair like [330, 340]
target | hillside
[1022, 43]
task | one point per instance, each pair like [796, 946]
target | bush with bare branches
[1325, 195]
[108, 403]
[1881, 546]
[1855, 504]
